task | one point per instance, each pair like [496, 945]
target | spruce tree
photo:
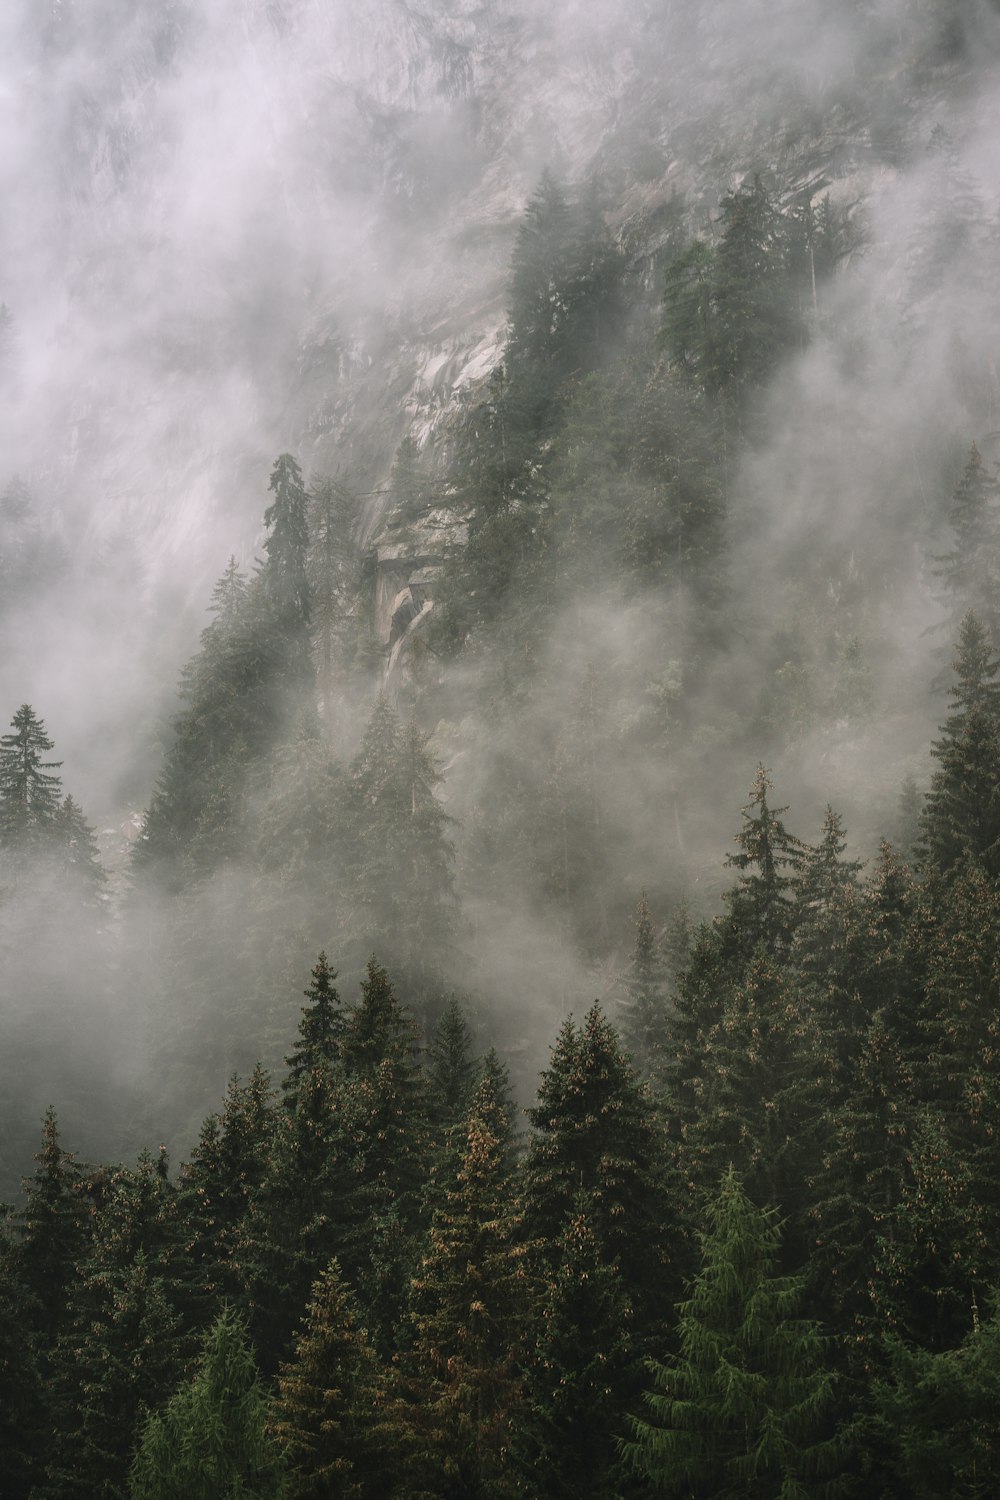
[210, 1441]
[329, 1417]
[468, 1308]
[218, 1186]
[739, 1414]
[594, 1130]
[29, 792]
[451, 1068]
[321, 1030]
[53, 1231]
[760, 1099]
[286, 571]
[644, 1018]
[121, 1355]
[582, 1377]
[306, 1210]
[937, 1415]
[961, 817]
[970, 571]
[79, 855]
[761, 905]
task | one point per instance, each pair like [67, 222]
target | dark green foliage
[210, 1441]
[53, 1231]
[582, 1376]
[759, 1097]
[594, 1131]
[937, 1414]
[469, 1304]
[121, 1354]
[741, 1411]
[329, 1417]
[761, 906]
[302, 1213]
[961, 817]
[216, 1188]
[321, 1030]
[872, 1050]
[451, 1069]
[22, 1398]
[930, 1246]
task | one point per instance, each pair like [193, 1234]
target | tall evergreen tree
[594, 1131]
[961, 817]
[329, 1416]
[29, 792]
[644, 1020]
[52, 1232]
[970, 571]
[286, 570]
[321, 1030]
[761, 905]
[210, 1440]
[582, 1376]
[468, 1303]
[740, 1412]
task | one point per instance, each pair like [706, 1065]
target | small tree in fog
[29, 792]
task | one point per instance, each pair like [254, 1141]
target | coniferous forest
[522, 1018]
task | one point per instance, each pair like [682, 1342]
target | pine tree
[826, 898]
[761, 906]
[644, 1019]
[760, 1098]
[78, 853]
[970, 572]
[740, 1411]
[121, 1355]
[391, 1138]
[329, 1416]
[210, 1440]
[307, 1209]
[52, 1232]
[219, 1184]
[582, 1377]
[286, 571]
[468, 1307]
[594, 1130]
[938, 1416]
[321, 1030]
[451, 1068]
[873, 1051]
[961, 817]
[29, 792]
[931, 1248]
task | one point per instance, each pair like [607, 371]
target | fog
[234, 229]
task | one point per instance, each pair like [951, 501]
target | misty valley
[499, 750]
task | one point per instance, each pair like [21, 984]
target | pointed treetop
[321, 1029]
